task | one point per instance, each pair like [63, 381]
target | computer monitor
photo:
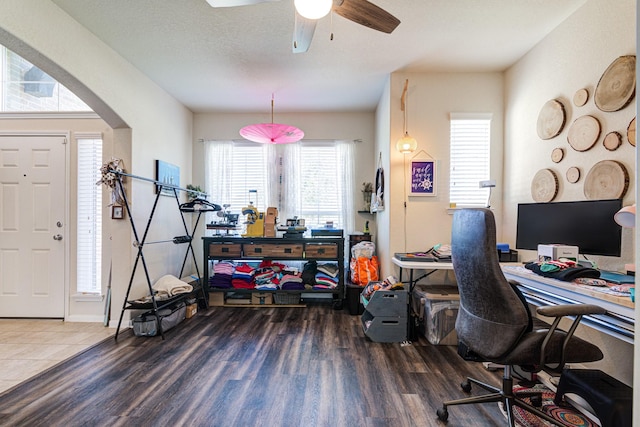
[588, 224]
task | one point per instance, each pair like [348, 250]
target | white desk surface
[525, 276]
[422, 265]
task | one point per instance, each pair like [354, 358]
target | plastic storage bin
[437, 308]
[385, 316]
[387, 303]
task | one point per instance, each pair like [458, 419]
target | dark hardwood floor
[253, 367]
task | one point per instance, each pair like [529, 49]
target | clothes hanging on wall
[377, 200]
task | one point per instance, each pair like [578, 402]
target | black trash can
[354, 305]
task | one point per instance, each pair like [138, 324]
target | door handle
[57, 237]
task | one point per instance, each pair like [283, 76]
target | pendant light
[407, 144]
[271, 133]
[313, 9]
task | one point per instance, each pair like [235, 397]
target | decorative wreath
[109, 178]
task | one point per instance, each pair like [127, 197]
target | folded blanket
[170, 285]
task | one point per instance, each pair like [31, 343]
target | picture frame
[167, 173]
[117, 212]
[422, 176]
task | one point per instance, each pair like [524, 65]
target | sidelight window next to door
[89, 206]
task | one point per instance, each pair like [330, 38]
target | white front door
[32, 226]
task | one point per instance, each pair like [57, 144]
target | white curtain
[345, 151]
[273, 171]
[291, 191]
[282, 174]
[217, 172]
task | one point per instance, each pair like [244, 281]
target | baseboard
[84, 318]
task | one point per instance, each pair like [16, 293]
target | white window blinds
[319, 192]
[470, 139]
[89, 196]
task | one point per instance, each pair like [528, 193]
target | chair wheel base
[536, 400]
[466, 386]
[443, 414]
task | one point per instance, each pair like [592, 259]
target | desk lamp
[626, 217]
[490, 183]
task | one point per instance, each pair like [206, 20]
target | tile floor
[30, 346]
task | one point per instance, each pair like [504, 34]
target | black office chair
[494, 323]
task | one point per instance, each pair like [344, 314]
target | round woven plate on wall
[544, 186]
[617, 86]
[607, 179]
[551, 119]
[583, 133]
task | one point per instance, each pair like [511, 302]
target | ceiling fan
[362, 12]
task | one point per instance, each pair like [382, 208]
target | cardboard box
[262, 298]
[216, 298]
[192, 309]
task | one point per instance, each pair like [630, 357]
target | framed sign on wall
[423, 177]
[167, 173]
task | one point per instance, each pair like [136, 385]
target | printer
[552, 252]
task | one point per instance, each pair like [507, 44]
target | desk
[619, 321]
[428, 267]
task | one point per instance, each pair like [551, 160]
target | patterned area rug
[564, 414]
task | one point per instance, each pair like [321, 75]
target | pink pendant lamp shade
[271, 133]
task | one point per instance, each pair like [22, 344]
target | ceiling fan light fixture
[313, 9]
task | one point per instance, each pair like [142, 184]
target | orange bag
[364, 270]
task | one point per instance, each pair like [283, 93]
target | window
[24, 87]
[311, 180]
[89, 239]
[469, 158]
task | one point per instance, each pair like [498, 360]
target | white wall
[426, 221]
[572, 57]
[150, 123]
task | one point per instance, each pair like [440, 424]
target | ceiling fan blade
[368, 14]
[303, 33]
[233, 3]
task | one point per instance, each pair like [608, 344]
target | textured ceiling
[233, 59]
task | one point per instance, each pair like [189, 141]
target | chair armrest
[570, 310]
[558, 312]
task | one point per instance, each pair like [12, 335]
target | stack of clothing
[292, 282]
[326, 277]
[266, 279]
[562, 269]
[222, 275]
[243, 277]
